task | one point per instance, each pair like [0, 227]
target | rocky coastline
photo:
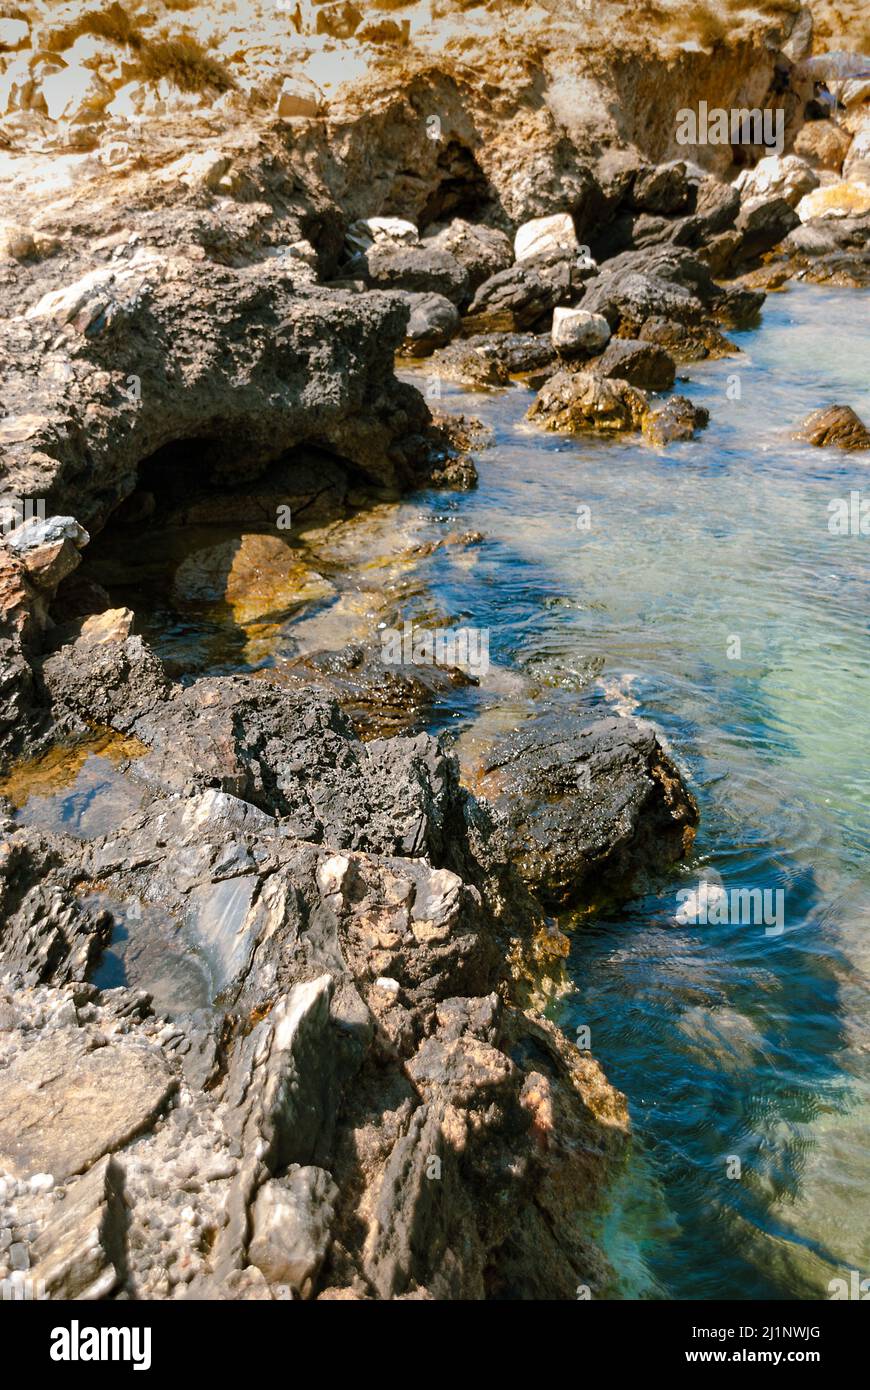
[328, 1073]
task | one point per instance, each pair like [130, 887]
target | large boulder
[482, 251]
[778, 176]
[664, 283]
[584, 805]
[512, 300]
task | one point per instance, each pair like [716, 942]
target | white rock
[783, 176]
[203, 169]
[384, 982]
[546, 234]
[363, 233]
[848, 198]
[41, 1182]
[73, 93]
[35, 533]
[578, 330]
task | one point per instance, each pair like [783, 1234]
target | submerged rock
[677, 418]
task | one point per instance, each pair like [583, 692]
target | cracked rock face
[347, 1103]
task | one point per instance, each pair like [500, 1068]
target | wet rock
[491, 359]
[677, 418]
[640, 364]
[584, 805]
[68, 1101]
[258, 577]
[575, 401]
[577, 332]
[291, 1225]
[432, 323]
[686, 342]
[836, 425]
[482, 251]
[80, 1252]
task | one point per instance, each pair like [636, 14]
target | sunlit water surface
[730, 1041]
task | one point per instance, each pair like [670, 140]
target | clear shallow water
[729, 1042]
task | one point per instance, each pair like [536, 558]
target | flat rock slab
[66, 1104]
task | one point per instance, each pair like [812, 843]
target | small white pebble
[384, 982]
[41, 1182]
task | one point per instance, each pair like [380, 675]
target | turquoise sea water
[730, 1042]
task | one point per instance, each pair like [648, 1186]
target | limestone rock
[577, 332]
[66, 1103]
[80, 1252]
[545, 234]
[847, 198]
[824, 144]
[299, 96]
[778, 176]
[291, 1227]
